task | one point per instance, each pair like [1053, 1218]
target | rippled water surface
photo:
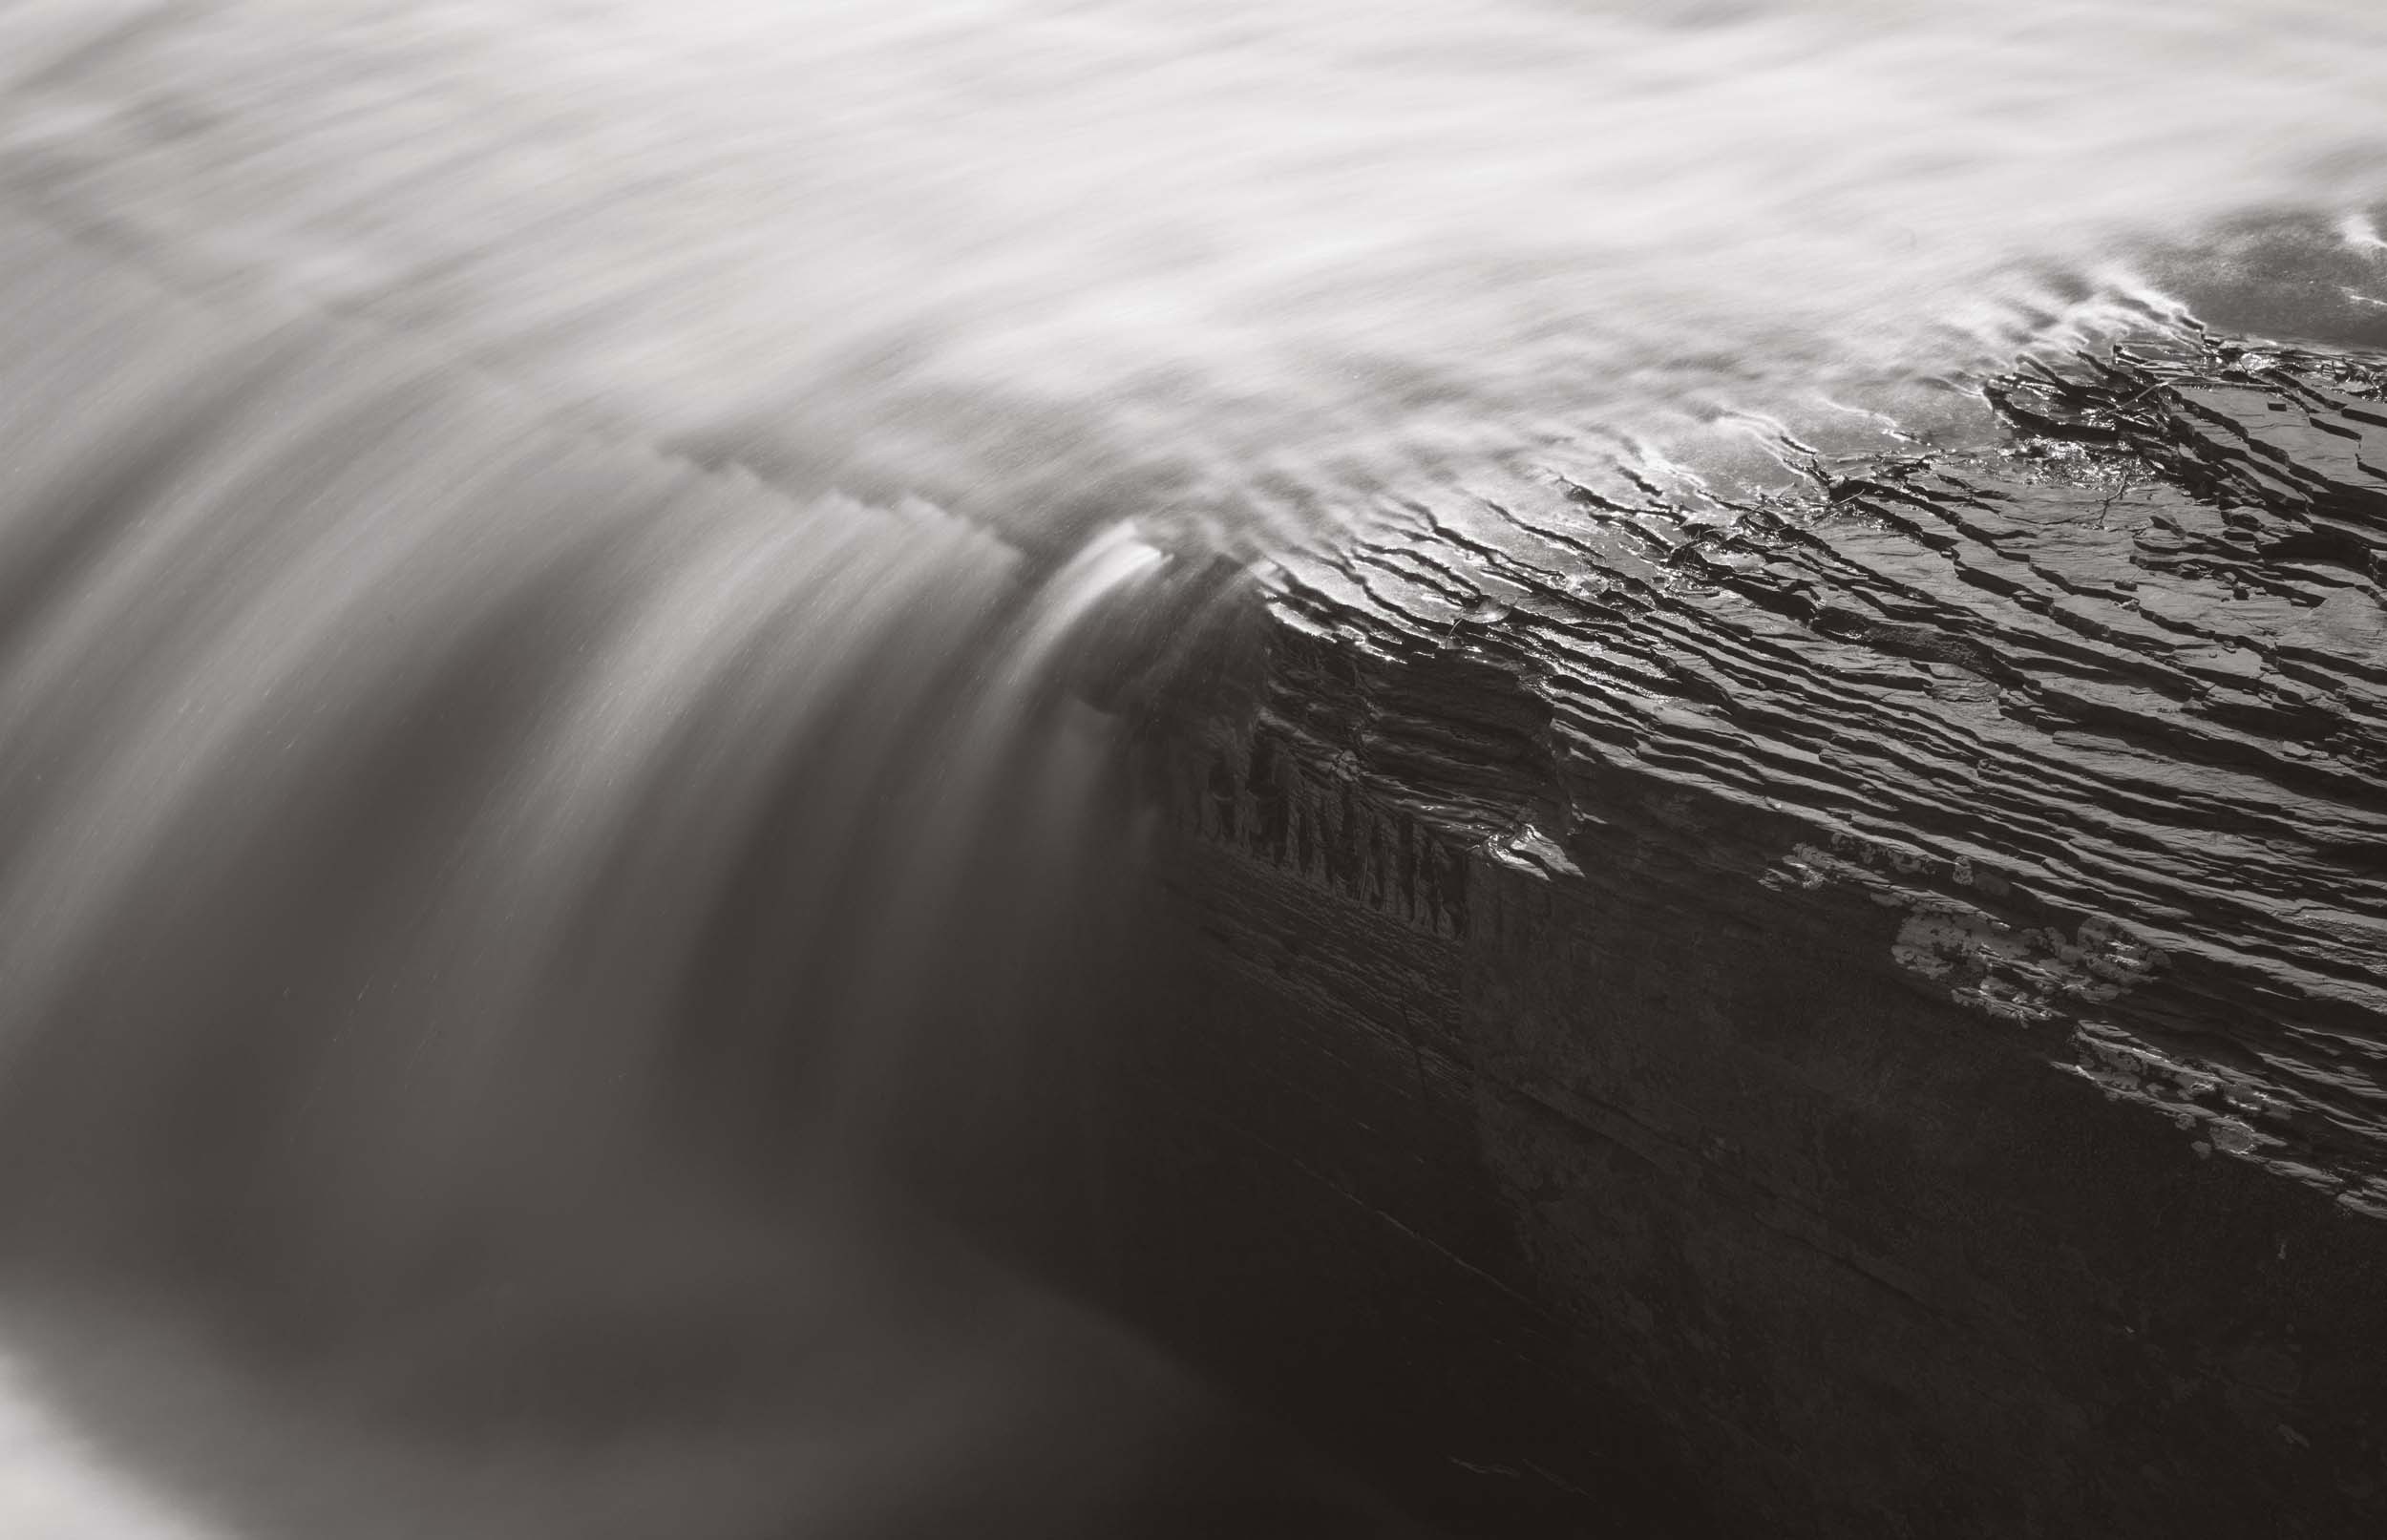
[542, 551]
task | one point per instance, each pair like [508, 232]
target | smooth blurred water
[542, 549]
[1029, 256]
[473, 900]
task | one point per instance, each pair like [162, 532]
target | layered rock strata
[1857, 1011]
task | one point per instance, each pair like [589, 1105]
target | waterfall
[548, 551]
[473, 896]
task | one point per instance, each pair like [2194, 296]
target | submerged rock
[1853, 1011]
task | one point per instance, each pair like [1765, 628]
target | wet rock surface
[1854, 1011]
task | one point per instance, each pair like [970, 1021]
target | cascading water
[443, 851]
[502, 790]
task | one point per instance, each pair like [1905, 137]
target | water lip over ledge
[1035, 260]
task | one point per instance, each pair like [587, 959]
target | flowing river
[547, 548]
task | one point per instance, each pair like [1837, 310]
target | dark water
[546, 551]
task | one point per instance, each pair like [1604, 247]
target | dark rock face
[1862, 1019]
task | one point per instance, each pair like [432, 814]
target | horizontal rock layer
[1856, 1010]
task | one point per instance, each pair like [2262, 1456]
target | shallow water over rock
[1033, 256]
[546, 551]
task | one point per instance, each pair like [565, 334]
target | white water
[1008, 254]
[486, 735]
